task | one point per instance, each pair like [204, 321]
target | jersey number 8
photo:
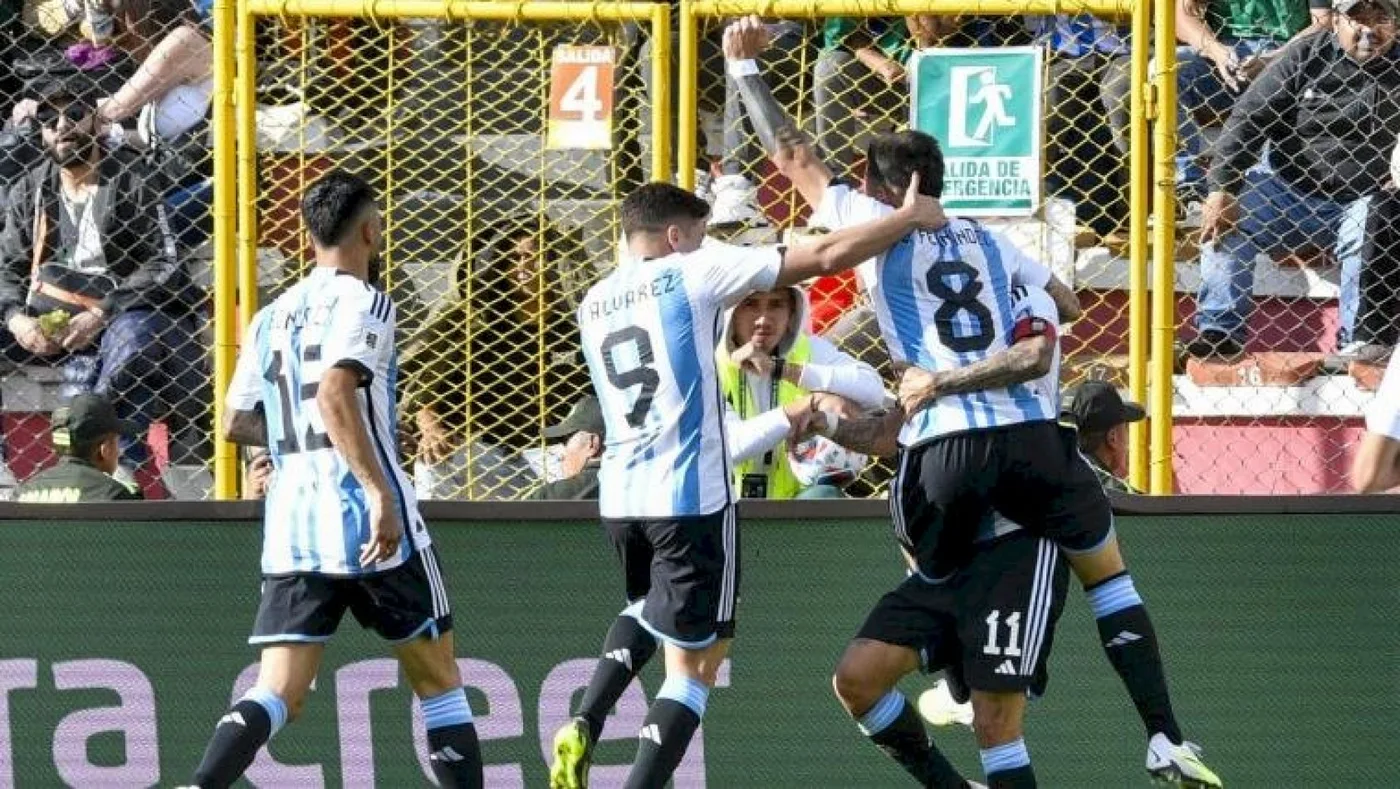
[642, 375]
[957, 301]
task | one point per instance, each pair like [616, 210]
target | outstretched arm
[789, 148]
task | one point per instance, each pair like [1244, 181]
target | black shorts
[684, 572]
[399, 604]
[945, 490]
[993, 624]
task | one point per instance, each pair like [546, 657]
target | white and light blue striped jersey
[1033, 313]
[1383, 413]
[943, 300]
[317, 516]
[648, 332]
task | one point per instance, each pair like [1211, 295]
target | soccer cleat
[939, 708]
[573, 755]
[1179, 765]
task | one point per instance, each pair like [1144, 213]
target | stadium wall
[123, 640]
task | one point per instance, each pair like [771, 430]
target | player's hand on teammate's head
[745, 38]
[916, 390]
[925, 212]
[385, 530]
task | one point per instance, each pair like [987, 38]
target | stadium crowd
[1287, 121]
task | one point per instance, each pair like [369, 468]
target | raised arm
[789, 148]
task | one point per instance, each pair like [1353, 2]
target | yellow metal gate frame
[1150, 461]
[235, 140]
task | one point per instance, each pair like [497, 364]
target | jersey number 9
[643, 374]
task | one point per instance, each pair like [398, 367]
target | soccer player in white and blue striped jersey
[648, 332]
[315, 384]
[976, 438]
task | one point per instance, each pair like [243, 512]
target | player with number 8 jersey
[648, 332]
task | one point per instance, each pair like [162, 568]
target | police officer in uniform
[85, 435]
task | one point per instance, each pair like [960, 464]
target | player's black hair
[332, 204]
[654, 206]
[891, 159]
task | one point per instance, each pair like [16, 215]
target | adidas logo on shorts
[623, 656]
[1123, 639]
[650, 732]
[1007, 668]
[448, 754]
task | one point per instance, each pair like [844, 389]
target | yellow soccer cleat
[1179, 765]
[573, 755]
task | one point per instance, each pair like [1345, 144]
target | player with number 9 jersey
[317, 516]
[645, 333]
[648, 332]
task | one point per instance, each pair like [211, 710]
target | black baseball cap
[74, 85]
[87, 419]
[1096, 405]
[585, 416]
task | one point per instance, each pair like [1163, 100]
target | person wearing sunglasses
[90, 281]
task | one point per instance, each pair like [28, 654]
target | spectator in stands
[859, 84]
[169, 96]
[85, 436]
[89, 279]
[767, 361]
[500, 361]
[1086, 106]
[1102, 417]
[583, 431]
[1226, 44]
[171, 88]
[1329, 110]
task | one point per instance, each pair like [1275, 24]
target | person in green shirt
[85, 435]
[1224, 45]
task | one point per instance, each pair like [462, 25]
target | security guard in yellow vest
[769, 361]
[85, 434]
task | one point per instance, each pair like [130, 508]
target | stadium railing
[842, 68]
[1255, 599]
[493, 231]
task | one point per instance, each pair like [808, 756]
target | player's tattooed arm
[246, 428]
[781, 137]
[1028, 359]
[876, 433]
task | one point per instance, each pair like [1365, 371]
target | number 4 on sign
[581, 98]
